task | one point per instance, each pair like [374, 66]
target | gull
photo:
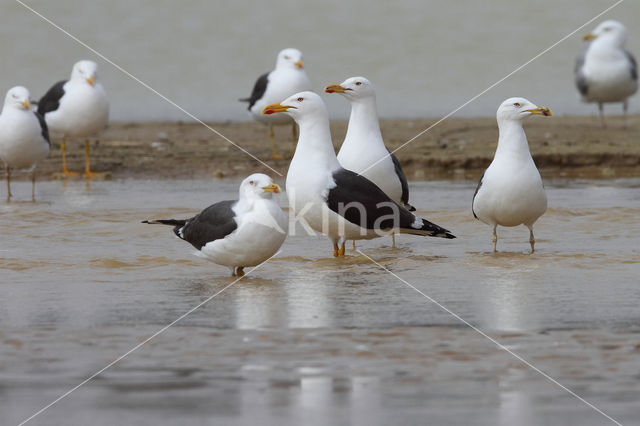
[24, 137]
[330, 199]
[510, 191]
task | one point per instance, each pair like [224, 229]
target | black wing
[258, 90]
[44, 129]
[213, 223]
[403, 182]
[51, 100]
[476, 193]
[358, 200]
[634, 65]
[581, 79]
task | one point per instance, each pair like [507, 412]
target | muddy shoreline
[457, 148]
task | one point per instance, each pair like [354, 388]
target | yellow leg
[87, 164]
[274, 152]
[354, 244]
[63, 149]
[532, 240]
[341, 251]
[33, 186]
[336, 251]
[494, 239]
[8, 184]
[393, 239]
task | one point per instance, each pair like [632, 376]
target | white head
[85, 70]
[17, 97]
[258, 185]
[290, 58]
[610, 31]
[519, 108]
[354, 88]
[301, 106]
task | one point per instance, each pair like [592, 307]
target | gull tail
[172, 222]
[428, 229]
[244, 100]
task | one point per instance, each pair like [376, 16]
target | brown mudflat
[454, 148]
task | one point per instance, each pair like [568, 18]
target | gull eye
[14, 96]
[287, 57]
[516, 104]
[358, 83]
[300, 99]
[251, 182]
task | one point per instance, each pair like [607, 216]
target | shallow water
[311, 339]
[425, 58]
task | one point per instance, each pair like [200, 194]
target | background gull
[24, 138]
[605, 72]
[77, 107]
[287, 78]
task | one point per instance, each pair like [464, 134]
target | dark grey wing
[51, 100]
[403, 182]
[44, 129]
[476, 193]
[581, 79]
[213, 223]
[634, 65]
[358, 200]
[258, 90]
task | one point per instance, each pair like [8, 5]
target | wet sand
[455, 148]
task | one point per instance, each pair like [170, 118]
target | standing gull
[237, 233]
[605, 72]
[510, 191]
[24, 138]
[331, 199]
[286, 79]
[363, 149]
[77, 107]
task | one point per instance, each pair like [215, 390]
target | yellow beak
[335, 88]
[26, 104]
[270, 109]
[589, 36]
[91, 81]
[274, 187]
[299, 64]
[541, 111]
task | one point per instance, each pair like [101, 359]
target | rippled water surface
[309, 339]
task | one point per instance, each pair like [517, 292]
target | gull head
[613, 32]
[519, 108]
[17, 97]
[258, 185]
[85, 70]
[353, 88]
[290, 58]
[301, 106]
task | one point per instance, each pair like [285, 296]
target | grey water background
[426, 58]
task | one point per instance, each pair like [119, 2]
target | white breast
[83, 111]
[21, 141]
[260, 233]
